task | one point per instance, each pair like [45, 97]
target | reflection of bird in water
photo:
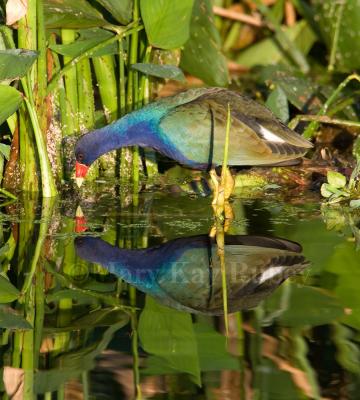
[185, 273]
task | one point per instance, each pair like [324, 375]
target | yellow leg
[216, 186]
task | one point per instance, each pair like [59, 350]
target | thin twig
[254, 20]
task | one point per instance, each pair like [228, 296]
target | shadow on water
[130, 305]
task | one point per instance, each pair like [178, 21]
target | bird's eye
[80, 156]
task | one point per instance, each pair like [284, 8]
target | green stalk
[27, 39]
[104, 67]
[85, 95]
[335, 41]
[46, 213]
[122, 87]
[27, 359]
[71, 121]
[39, 312]
[132, 91]
[47, 181]
[41, 67]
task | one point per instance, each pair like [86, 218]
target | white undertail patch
[268, 135]
[270, 273]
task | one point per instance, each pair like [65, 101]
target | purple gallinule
[190, 128]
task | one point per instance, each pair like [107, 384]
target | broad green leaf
[103, 317]
[10, 319]
[344, 264]
[5, 150]
[278, 104]
[167, 22]
[307, 306]
[168, 335]
[268, 51]
[346, 14]
[212, 349]
[121, 10]
[8, 292]
[202, 55]
[10, 100]
[15, 63]
[88, 38]
[71, 14]
[336, 179]
[160, 71]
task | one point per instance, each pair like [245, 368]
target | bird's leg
[216, 185]
[228, 182]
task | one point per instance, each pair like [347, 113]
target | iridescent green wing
[197, 129]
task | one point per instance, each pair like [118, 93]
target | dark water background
[72, 329]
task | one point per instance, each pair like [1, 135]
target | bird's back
[195, 124]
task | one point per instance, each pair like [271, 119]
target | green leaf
[307, 306]
[278, 104]
[355, 203]
[5, 150]
[10, 100]
[160, 71]
[15, 63]
[344, 265]
[325, 190]
[336, 179]
[168, 334]
[88, 38]
[8, 292]
[121, 10]
[328, 14]
[167, 22]
[212, 349]
[71, 14]
[202, 55]
[10, 319]
[268, 51]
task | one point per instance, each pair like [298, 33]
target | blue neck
[130, 130]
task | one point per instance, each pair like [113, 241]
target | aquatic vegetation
[338, 189]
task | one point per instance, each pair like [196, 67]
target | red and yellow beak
[80, 173]
[80, 221]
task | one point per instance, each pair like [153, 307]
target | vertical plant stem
[47, 181]
[85, 95]
[133, 90]
[334, 44]
[41, 67]
[46, 213]
[27, 39]
[104, 67]
[68, 36]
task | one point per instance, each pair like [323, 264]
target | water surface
[126, 302]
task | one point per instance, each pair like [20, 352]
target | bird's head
[83, 150]
[81, 170]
